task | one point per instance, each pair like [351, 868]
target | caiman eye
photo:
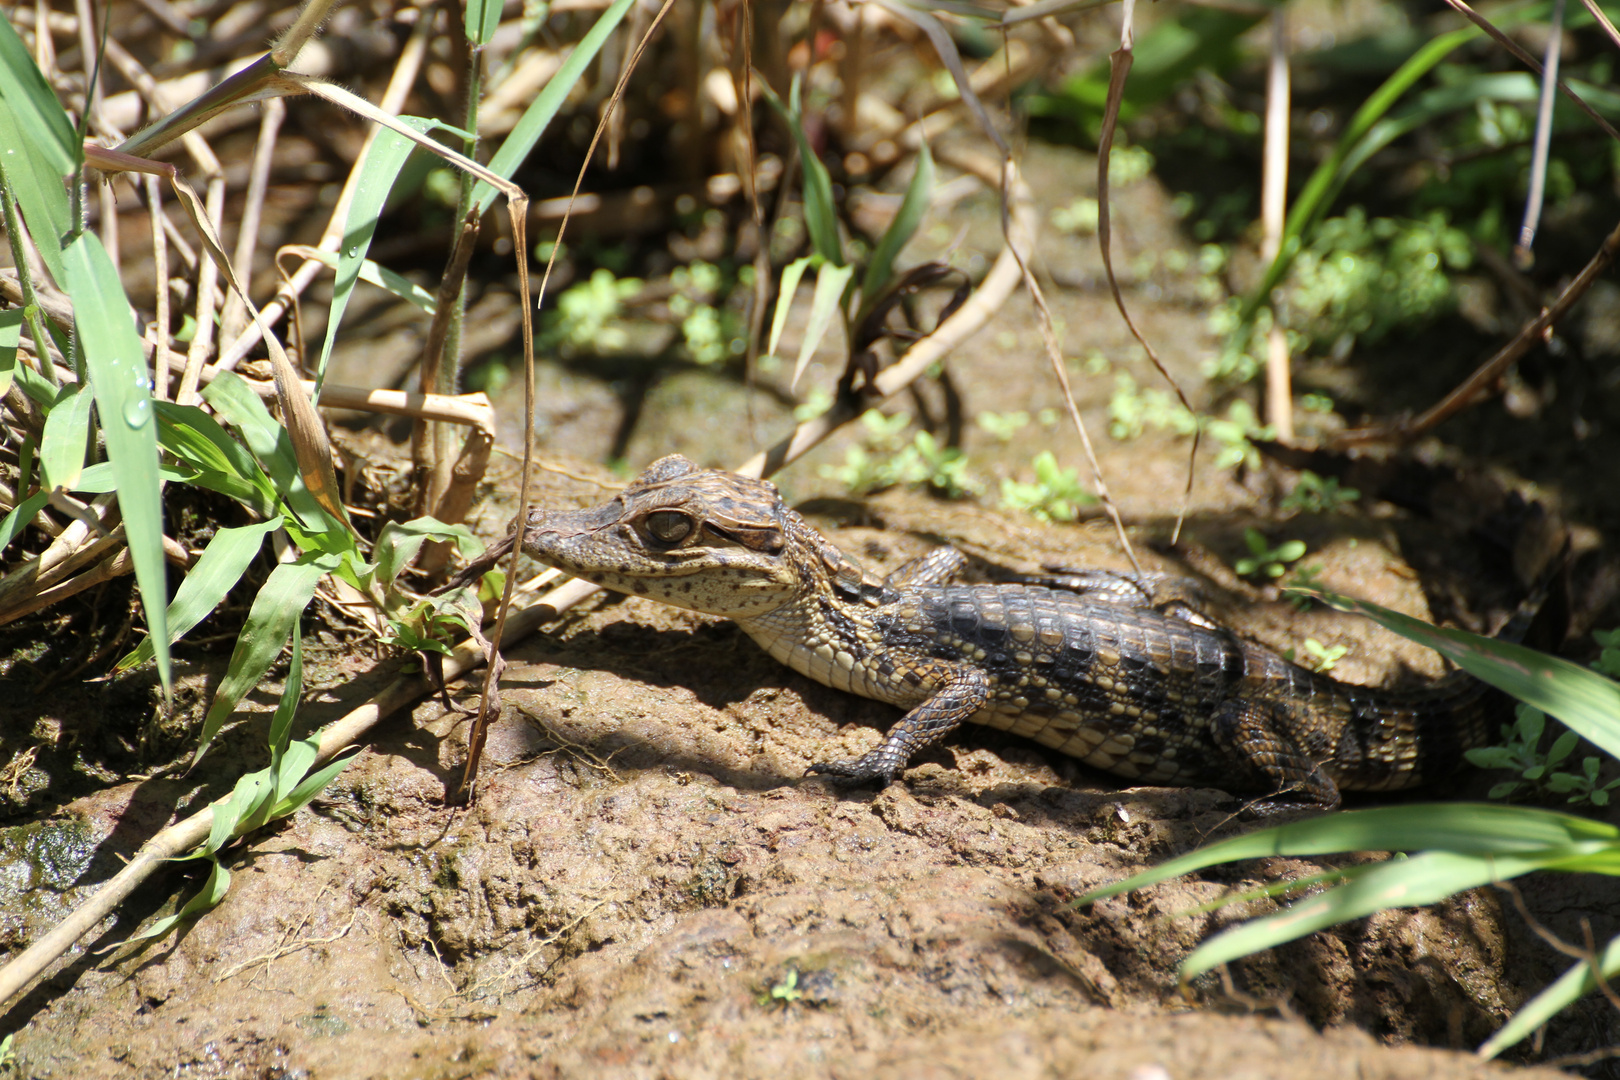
[668, 526]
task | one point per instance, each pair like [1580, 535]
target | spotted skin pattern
[1144, 694]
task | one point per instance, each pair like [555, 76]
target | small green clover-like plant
[1079, 218]
[1002, 426]
[1324, 656]
[1315, 494]
[707, 330]
[1056, 494]
[1608, 662]
[1233, 433]
[1132, 411]
[885, 460]
[585, 313]
[942, 468]
[1539, 775]
[1264, 560]
[787, 991]
[874, 465]
[1320, 404]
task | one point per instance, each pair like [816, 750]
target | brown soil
[647, 885]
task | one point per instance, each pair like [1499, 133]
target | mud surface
[647, 886]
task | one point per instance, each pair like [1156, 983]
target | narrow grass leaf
[21, 514]
[215, 574]
[526, 133]
[1584, 700]
[123, 390]
[34, 385]
[831, 282]
[820, 213]
[378, 172]
[293, 768]
[40, 149]
[287, 706]
[1422, 879]
[373, 274]
[272, 617]
[792, 274]
[208, 898]
[945, 48]
[32, 103]
[399, 542]
[310, 787]
[880, 268]
[99, 479]
[11, 322]
[245, 798]
[1575, 983]
[196, 438]
[240, 407]
[1463, 828]
[66, 436]
[483, 16]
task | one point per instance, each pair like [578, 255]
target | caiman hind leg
[1252, 736]
[963, 694]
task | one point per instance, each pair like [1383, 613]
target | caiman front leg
[964, 693]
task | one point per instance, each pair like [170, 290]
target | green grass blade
[378, 172]
[11, 323]
[215, 574]
[309, 788]
[1585, 701]
[1577, 982]
[831, 282]
[900, 231]
[399, 542]
[21, 514]
[249, 794]
[270, 620]
[1462, 828]
[195, 438]
[41, 149]
[792, 274]
[382, 277]
[240, 407]
[1422, 879]
[66, 436]
[820, 213]
[483, 16]
[287, 706]
[523, 137]
[118, 376]
[208, 898]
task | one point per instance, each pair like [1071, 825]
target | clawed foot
[870, 769]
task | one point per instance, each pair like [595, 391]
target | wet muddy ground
[648, 886]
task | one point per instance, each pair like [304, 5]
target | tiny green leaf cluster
[1055, 495]
[1264, 560]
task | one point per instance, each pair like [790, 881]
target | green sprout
[1315, 494]
[1002, 426]
[1263, 559]
[1539, 775]
[1056, 494]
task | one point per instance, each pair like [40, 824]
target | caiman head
[697, 538]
